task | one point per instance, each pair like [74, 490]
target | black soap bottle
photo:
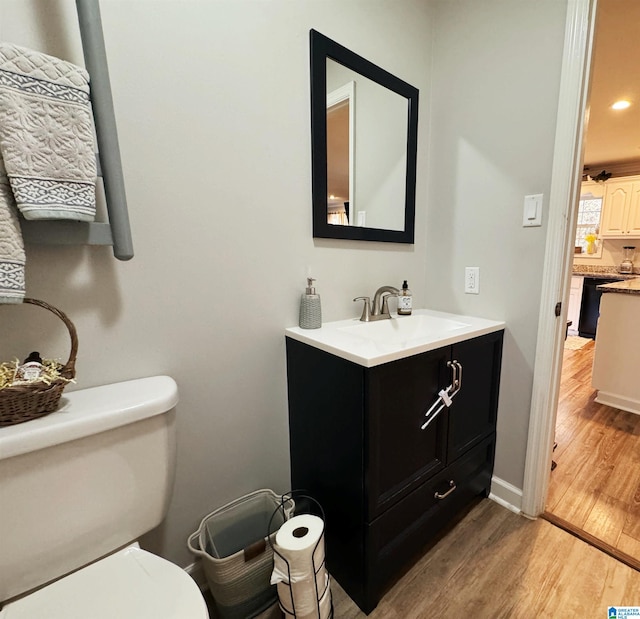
[31, 369]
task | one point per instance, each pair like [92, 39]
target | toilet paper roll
[300, 599]
[300, 532]
[322, 612]
[298, 568]
[296, 539]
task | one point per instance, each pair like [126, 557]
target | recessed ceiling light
[623, 104]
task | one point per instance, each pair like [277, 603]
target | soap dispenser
[405, 299]
[310, 311]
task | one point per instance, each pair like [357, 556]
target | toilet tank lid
[91, 411]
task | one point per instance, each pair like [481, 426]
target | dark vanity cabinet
[387, 486]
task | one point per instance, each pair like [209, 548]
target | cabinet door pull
[459, 375]
[452, 487]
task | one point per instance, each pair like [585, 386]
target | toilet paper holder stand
[302, 504]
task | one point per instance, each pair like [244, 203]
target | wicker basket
[232, 544]
[21, 403]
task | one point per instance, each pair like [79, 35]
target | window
[589, 209]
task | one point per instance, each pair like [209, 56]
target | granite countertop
[577, 271]
[629, 286]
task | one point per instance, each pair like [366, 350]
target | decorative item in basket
[33, 389]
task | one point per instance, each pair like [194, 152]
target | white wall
[496, 68]
[212, 105]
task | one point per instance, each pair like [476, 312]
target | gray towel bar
[118, 231]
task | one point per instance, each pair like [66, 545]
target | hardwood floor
[596, 484]
[495, 564]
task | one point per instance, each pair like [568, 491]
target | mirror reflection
[340, 152]
[366, 151]
[364, 135]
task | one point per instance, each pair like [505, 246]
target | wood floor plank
[624, 479]
[629, 545]
[578, 477]
[606, 519]
[597, 476]
[632, 524]
[575, 504]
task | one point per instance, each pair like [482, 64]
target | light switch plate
[532, 210]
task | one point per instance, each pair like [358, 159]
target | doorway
[595, 479]
[560, 386]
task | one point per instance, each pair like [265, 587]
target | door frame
[563, 197]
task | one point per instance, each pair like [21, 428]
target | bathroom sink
[373, 343]
[404, 329]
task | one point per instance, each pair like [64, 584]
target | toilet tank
[84, 481]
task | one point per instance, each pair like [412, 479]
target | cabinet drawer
[398, 534]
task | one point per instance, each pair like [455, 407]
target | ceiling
[614, 136]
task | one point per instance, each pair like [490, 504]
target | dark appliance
[590, 308]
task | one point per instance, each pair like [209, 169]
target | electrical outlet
[472, 280]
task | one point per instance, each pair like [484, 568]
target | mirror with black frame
[364, 126]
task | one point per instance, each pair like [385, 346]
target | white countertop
[374, 343]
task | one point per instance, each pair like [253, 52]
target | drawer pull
[452, 487]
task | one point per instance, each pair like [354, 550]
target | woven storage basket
[240, 581]
[21, 403]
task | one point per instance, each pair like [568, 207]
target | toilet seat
[130, 584]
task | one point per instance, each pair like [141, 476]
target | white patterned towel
[46, 135]
[11, 246]
[47, 148]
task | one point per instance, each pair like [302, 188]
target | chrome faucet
[379, 310]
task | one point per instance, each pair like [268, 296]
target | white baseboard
[505, 494]
[617, 401]
[197, 573]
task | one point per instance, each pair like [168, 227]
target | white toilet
[77, 488]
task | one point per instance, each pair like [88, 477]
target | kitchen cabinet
[387, 486]
[575, 301]
[617, 355]
[621, 209]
